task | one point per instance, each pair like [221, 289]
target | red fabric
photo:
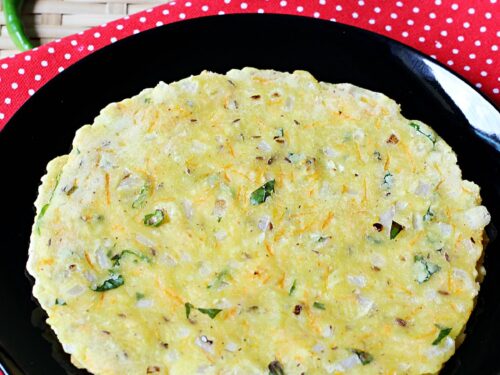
[460, 33]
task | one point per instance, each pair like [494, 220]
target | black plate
[46, 124]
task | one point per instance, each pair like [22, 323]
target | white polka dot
[14, 85]
[361, 3]
[376, 10]
[80, 33]
[127, 17]
[227, 1]
[478, 85]
[97, 35]
[338, 8]
[159, 23]
[427, 27]
[21, 71]
[44, 63]
[494, 47]
[466, 68]
[119, 27]
[444, 33]
[322, 2]
[188, 4]
[142, 19]
[135, 31]
[204, 8]
[67, 56]
[2, 116]
[394, 16]
[483, 73]
[477, 43]
[27, 58]
[316, 15]
[472, 56]
[454, 51]
[31, 92]
[388, 27]
[449, 20]
[149, 10]
[489, 61]
[74, 43]
[434, 57]
[471, 11]
[410, 22]
[432, 15]
[221, 12]
[113, 39]
[438, 45]
[498, 34]
[421, 39]
[454, 6]
[182, 16]
[449, 62]
[399, 4]
[7, 100]
[466, 25]
[5, 66]
[60, 69]
[165, 12]
[416, 9]
[50, 50]
[300, 9]
[371, 21]
[90, 47]
[333, 19]
[283, 3]
[57, 40]
[482, 29]
[244, 5]
[355, 15]
[405, 34]
[260, 10]
[495, 91]
[488, 15]
[438, 2]
[460, 38]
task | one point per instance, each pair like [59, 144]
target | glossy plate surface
[46, 124]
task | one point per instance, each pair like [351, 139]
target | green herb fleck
[293, 287]
[212, 313]
[396, 228]
[319, 305]
[140, 200]
[188, 307]
[281, 133]
[261, 194]
[60, 302]
[294, 158]
[147, 100]
[377, 155]
[113, 282]
[443, 332]
[44, 208]
[155, 219]
[430, 137]
[388, 180]
[363, 356]
[219, 279]
[323, 238]
[139, 296]
[276, 368]
[428, 215]
[425, 269]
[117, 258]
[219, 219]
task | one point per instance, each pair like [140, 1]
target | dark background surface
[45, 127]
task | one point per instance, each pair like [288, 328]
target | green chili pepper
[12, 11]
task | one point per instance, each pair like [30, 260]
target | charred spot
[122, 315]
[270, 226]
[287, 160]
[472, 240]
[259, 157]
[375, 268]
[270, 161]
[279, 140]
[275, 95]
[256, 136]
[392, 139]
[447, 257]
[236, 120]
[379, 227]
[193, 120]
[72, 267]
[106, 332]
[443, 292]
[152, 369]
[164, 345]
[255, 97]
[401, 322]
[297, 309]
[296, 122]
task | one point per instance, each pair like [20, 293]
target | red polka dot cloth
[463, 34]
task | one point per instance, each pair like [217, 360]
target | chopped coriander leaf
[425, 269]
[319, 305]
[430, 137]
[443, 332]
[323, 238]
[219, 279]
[293, 287]
[388, 180]
[294, 158]
[44, 208]
[188, 307]
[60, 302]
[276, 368]
[261, 194]
[212, 313]
[117, 258]
[139, 296]
[363, 356]
[281, 132]
[428, 215]
[396, 228]
[155, 219]
[112, 283]
[140, 200]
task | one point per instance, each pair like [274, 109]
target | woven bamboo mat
[46, 20]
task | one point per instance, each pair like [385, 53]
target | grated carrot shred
[87, 258]
[327, 221]
[108, 196]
